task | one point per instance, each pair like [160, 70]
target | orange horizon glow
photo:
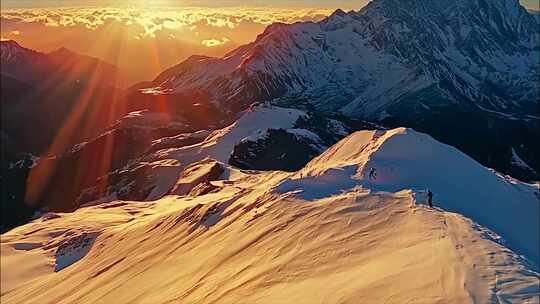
[145, 41]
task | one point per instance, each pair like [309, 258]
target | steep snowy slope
[405, 159]
[278, 237]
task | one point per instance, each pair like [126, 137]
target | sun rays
[153, 38]
[142, 41]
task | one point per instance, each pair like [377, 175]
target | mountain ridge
[389, 64]
[196, 190]
[252, 56]
[32, 66]
[276, 236]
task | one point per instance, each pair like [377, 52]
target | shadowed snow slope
[321, 235]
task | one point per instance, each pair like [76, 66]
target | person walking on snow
[430, 198]
[372, 174]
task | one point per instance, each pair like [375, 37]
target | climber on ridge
[372, 174]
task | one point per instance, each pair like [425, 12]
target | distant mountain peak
[10, 46]
[10, 42]
[11, 51]
[338, 12]
[32, 67]
[337, 19]
[64, 52]
[431, 39]
[272, 28]
[444, 10]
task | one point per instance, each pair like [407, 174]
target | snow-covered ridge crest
[406, 159]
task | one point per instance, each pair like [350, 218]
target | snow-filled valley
[327, 233]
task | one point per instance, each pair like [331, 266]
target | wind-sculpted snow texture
[323, 234]
[405, 159]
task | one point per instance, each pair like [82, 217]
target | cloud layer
[145, 41]
[157, 19]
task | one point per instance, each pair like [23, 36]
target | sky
[344, 4]
[144, 41]
[163, 32]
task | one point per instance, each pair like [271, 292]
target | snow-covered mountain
[163, 200]
[324, 234]
[463, 51]
[406, 159]
[423, 64]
